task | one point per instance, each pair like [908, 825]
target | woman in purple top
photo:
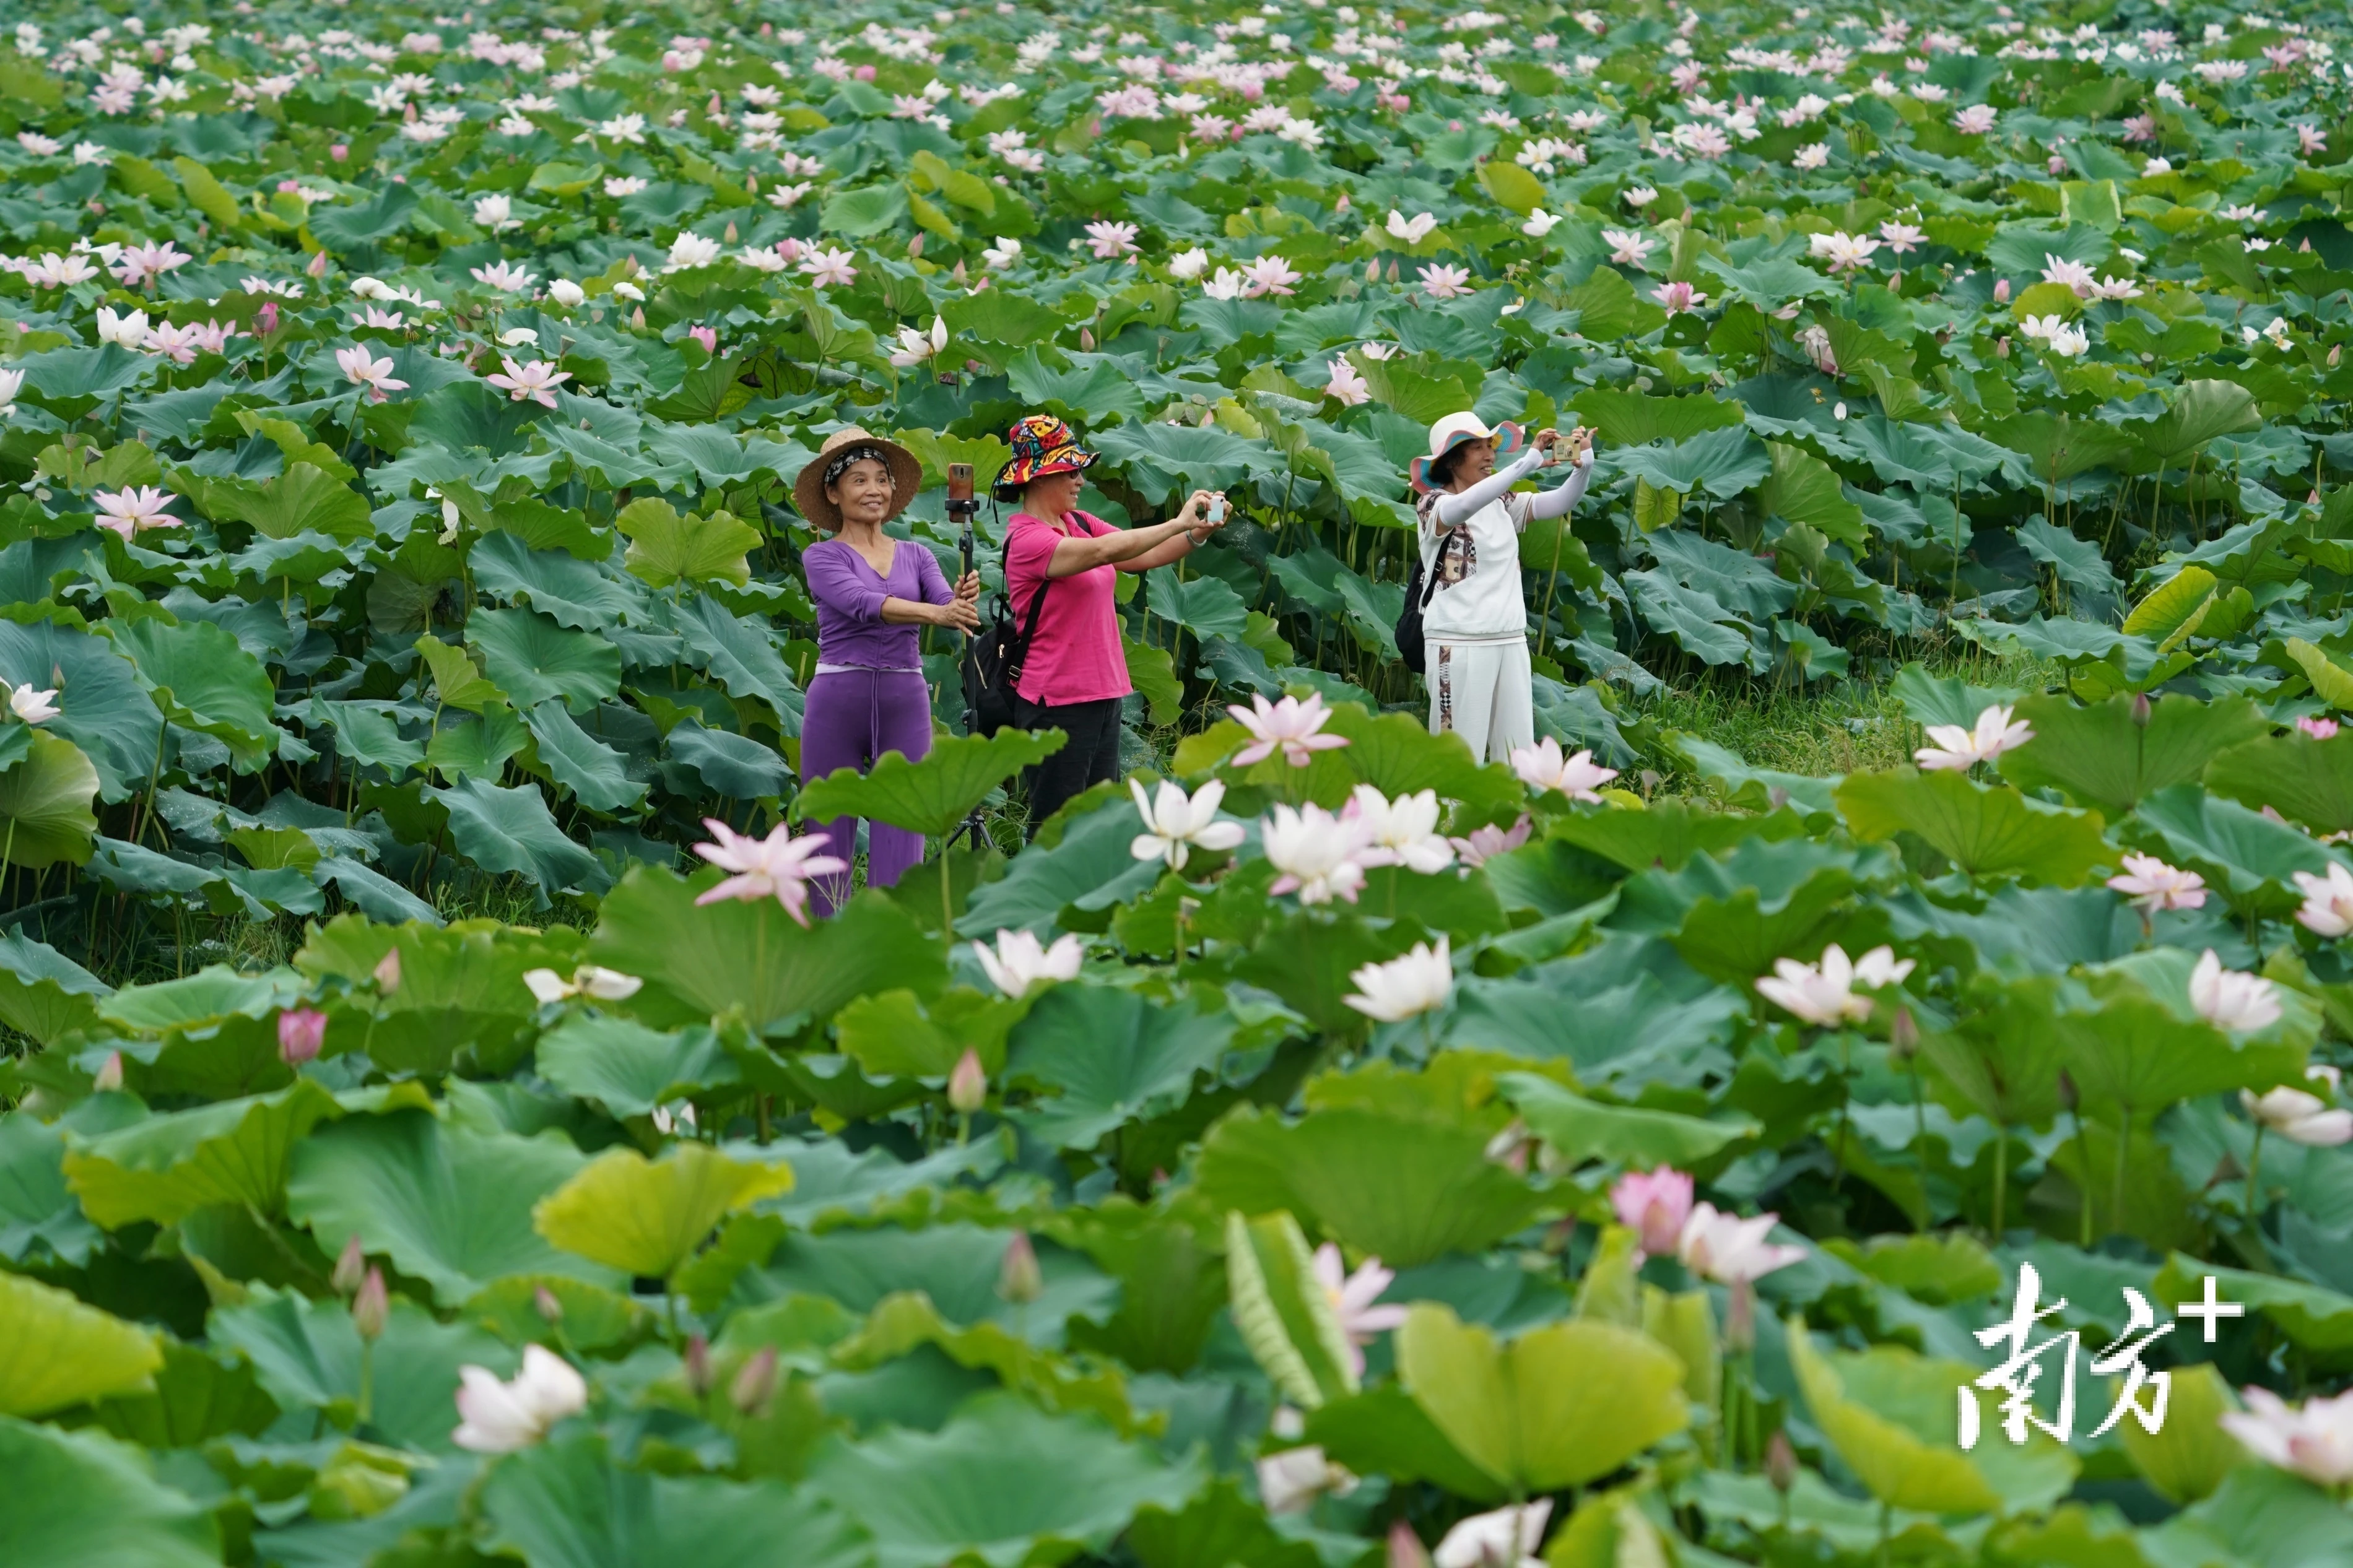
[875, 594]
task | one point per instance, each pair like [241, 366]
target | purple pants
[849, 719]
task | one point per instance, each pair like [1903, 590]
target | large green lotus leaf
[456, 683]
[206, 999]
[2003, 1054]
[83, 1500]
[955, 1266]
[1385, 1431]
[1630, 418]
[593, 773]
[647, 1216]
[932, 796]
[1929, 699]
[1171, 1285]
[1584, 1129]
[307, 1354]
[533, 659]
[2304, 780]
[1986, 830]
[448, 1206]
[628, 1067]
[1397, 754]
[477, 748]
[1220, 1526]
[908, 1321]
[1722, 462]
[1802, 489]
[729, 764]
[46, 796]
[198, 1394]
[1890, 1414]
[2201, 410]
[665, 548]
[567, 1505]
[737, 652]
[1666, 833]
[2190, 1455]
[460, 987]
[2259, 1518]
[1699, 626]
[698, 962]
[2244, 855]
[2317, 1319]
[2057, 445]
[557, 584]
[305, 498]
[43, 993]
[2136, 1052]
[202, 680]
[1206, 606]
[1735, 935]
[37, 1208]
[1089, 867]
[894, 1033]
[164, 1167]
[1307, 958]
[2100, 757]
[1406, 1191]
[56, 1351]
[1003, 1484]
[1113, 1055]
[106, 711]
[511, 830]
[1558, 1406]
[1284, 1313]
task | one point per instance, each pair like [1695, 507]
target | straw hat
[808, 489]
[1455, 429]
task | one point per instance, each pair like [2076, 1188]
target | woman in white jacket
[1476, 622]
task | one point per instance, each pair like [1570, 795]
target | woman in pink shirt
[1075, 675]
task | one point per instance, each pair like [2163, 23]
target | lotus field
[438, 1130]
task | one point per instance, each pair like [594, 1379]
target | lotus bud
[1021, 1282]
[638, 317]
[338, 151]
[697, 1365]
[301, 1031]
[1903, 1034]
[1406, 1549]
[2001, 346]
[914, 248]
[318, 265]
[386, 972]
[2140, 710]
[371, 1306]
[968, 1084]
[2335, 351]
[755, 1384]
[1087, 339]
[267, 318]
[1895, 283]
[730, 235]
[1740, 1318]
[109, 1074]
[350, 1267]
[715, 106]
[1780, 1461]
[1373, 270]
[544, 1302]
[1393, 271]
[752, 185]
[957, 273]
[2001, 291]
[707, 336]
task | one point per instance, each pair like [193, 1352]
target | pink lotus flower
[2153, 885]
[1346, 386]
[1352, 1296]
[2315, 1441]
[301, 1031]
[507, 279]
[1441, 282]
[129, 512]
[1655, 1205]
[1485, 843]
[1975, 120]
[2318, 729]
[1294, 727]
[708, 337]
[826, 267]
[2001, 291]
[1542, 767]
[1901, 238]
[535, 382]
[1951, 746]
[1678, 297]
[141, 264]
[2074, 274]
[1267, 275]
[362, 369]
[1111, 240]
[779, 867]
[1822, 993]
[1630, 245]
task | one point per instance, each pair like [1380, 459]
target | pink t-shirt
[1075, 657]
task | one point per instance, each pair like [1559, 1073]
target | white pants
[1482, 692]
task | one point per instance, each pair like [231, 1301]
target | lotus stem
[2001, 1179]
[2254, 1174]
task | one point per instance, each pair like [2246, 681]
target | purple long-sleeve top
[849, 594]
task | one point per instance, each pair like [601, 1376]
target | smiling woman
[873, 593]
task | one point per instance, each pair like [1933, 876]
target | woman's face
[864, 492]
[1053, 495]
[1474, 461]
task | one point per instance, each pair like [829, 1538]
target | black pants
[1089, 757]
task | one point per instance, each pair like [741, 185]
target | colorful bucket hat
[1455, 429]
[1042, 445]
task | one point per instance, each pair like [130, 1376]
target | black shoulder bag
[1411, 645]
[992, 665]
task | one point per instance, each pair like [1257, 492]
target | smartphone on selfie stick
[963, 506]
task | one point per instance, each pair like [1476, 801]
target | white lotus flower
[1507, 1538]
[129, 330]
[1401, 832]
[1405, 988]
[1951, 746]
[2328, 901]
[1823, 994]
[2232, 1000]
[589, 980]
[2299, 1117]
[1319, 854]
[1186, 265]
[502, 1417]
[1412, 230]
[690, 250]
[915, 345]
[1174, 825]
[1542, 767]
[1021, 960]
[2315, 1441]
[1290, 1481]
[1731, 1250]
